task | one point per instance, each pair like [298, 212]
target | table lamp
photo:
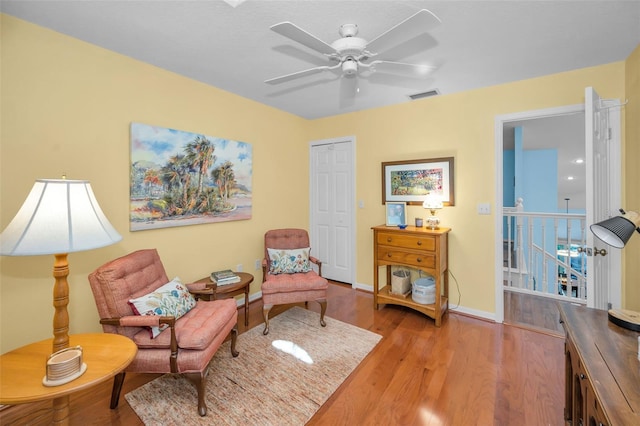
[432, 203]
[616, 232]
[58, 217]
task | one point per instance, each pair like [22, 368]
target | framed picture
[410, 181]
[396, 214]
[180, 178]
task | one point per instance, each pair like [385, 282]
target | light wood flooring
[533, 312]
[466, 372]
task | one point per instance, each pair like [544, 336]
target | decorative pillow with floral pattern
[289, 261]
[172, 299]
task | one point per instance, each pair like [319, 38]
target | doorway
[332, 201]
[531, 118]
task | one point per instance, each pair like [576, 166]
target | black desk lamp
[616, 231]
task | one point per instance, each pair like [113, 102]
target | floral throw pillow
[172, 299]
[289, 261]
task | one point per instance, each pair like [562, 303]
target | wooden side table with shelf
[413, 247]
[229, 290]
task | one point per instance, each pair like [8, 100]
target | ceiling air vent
[424, 94]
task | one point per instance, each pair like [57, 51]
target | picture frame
[410, 181]
[396, 213]
[181, 178]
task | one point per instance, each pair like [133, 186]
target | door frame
[351, 140]
[499, 123]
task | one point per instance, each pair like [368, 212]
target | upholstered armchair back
[285, 239]
[127, 277]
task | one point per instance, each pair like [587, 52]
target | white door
[601, 198]
[332, 230]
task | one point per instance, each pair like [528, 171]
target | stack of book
[225, 277]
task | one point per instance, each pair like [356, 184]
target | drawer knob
[419, 243]
[388, 239]
[388, 254]
[582, 376]
[419, 259]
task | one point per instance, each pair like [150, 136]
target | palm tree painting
[181, 178]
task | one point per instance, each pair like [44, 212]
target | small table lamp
[432, 203]
[58, 217]
[616, 231]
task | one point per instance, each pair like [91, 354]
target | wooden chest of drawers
[602, 385]
[412, 247]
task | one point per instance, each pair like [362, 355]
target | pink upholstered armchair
[187, 344]
[287, 276]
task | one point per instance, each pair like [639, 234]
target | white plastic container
[424, 291]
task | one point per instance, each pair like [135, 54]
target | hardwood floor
[534, 312]
[467, 372]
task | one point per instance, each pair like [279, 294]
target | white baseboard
[365, 287]
[474, 313]
[461, 309]
[252, 298]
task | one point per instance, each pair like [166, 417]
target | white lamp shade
[432, 202]
[58, 216]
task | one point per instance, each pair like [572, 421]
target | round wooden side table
[229, 290]
[22, 370]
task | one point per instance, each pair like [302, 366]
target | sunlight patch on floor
[292, 349]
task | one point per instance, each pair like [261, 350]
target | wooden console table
[602, 369]
[413, 247]
[22, 370]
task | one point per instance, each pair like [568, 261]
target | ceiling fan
[352, 54]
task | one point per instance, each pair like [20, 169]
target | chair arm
[150, 321]
[265, 263]
[139, 321]
[202, 289]
[317, 262]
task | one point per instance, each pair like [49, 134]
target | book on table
[226, 276]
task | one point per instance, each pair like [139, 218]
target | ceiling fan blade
[298, 74]
[390, 66]
[299, 35]
[418, 23]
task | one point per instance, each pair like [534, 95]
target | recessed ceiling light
[569, 177]
[578, 161]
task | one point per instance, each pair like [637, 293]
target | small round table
[22, 370]
[228, 290]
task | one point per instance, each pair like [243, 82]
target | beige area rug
[270, 382]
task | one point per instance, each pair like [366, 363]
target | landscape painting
[181, 178]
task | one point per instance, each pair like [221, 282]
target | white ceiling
[479, 43]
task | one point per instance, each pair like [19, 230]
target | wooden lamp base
[625, 318]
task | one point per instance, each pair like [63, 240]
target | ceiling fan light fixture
[349, 66]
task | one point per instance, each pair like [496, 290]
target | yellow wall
[459, 125]
[67, 106]
[631, 155]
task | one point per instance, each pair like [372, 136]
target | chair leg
[199, 382]
[265, 314]
[118, 380]
[323, 309]
[234, 338]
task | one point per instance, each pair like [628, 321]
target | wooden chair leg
[118, 380]
[265, 314]
[234, 338]
[323, 309]
[199, 382]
